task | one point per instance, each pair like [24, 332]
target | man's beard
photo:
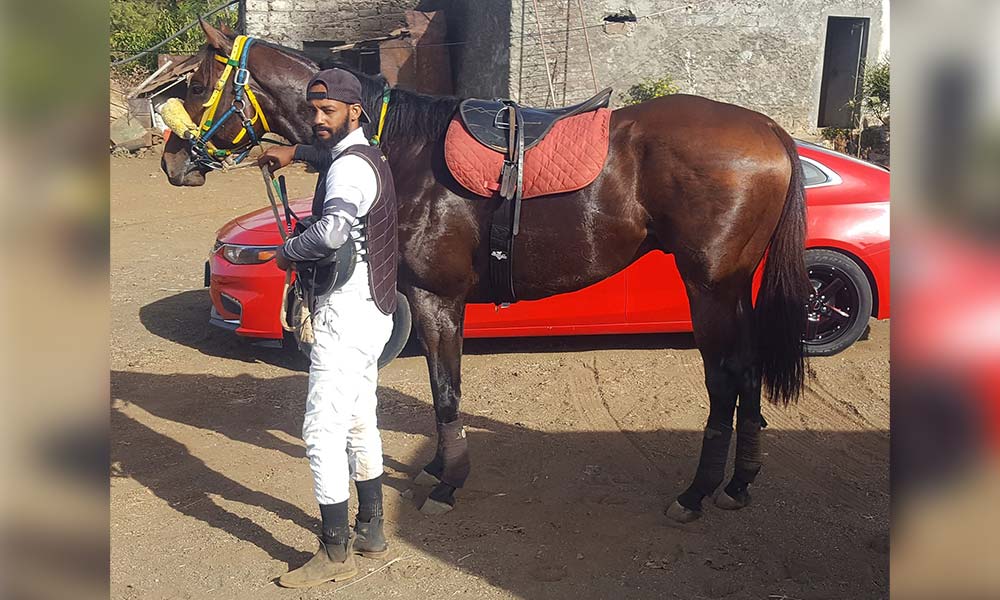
[336, 135]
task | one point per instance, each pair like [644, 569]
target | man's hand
[281, 260]
[277, 157]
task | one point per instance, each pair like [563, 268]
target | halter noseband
[204, 151]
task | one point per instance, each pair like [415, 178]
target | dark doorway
[843, 70]
[362, 56]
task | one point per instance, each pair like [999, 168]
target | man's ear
[216, 39]
[356, 113]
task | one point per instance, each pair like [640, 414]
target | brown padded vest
[379, 228]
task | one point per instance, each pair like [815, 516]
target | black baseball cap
[340, 85]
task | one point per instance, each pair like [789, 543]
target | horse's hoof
[433, 508]
[680, 514]
[727, 502]
[425, 478]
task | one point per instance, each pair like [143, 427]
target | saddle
[489, 120]
[522, 152]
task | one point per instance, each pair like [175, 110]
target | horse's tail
[780, 312]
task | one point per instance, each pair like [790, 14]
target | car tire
[840, 305]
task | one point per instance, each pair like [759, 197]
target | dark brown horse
[714, 184]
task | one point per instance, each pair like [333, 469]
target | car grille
[231, 305]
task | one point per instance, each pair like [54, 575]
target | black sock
[335, 527]
[369, 499]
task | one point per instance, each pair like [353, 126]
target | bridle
[203, 151]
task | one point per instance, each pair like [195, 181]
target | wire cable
[135, 57]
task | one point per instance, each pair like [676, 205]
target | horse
[714, 184]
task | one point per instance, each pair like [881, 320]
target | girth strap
[505, 223]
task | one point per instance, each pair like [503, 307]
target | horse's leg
[716, 315]
[439, 324]
[749, 422]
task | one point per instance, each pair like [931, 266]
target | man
[355, 204]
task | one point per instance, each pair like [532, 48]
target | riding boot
[332, 562]
[369, 538]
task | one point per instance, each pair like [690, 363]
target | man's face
[332, 119]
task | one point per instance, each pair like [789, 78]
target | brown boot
[330, 563]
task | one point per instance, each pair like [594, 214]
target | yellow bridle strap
[258, 114]
[381, 120]
[381, 117]
[213, 102]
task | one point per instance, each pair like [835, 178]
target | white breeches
[340, 429]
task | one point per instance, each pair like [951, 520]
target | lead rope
[272, 185]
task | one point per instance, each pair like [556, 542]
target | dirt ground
[577, 445]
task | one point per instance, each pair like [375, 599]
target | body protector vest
[374, 234]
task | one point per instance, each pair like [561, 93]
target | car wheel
[840, 303]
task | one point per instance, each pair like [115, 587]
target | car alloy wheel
[839, 305]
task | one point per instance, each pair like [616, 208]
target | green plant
[833, 134]
[649, 88]
[840, 138]
[874, 97]
[139, 24]
[876, 91]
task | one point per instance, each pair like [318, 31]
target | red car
[848, 259]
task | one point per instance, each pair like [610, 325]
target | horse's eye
[197, 89]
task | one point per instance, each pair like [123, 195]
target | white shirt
[351, 189]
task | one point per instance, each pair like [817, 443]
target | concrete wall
[766, 55]
[290, 22]
[478, 30]
[479, 33]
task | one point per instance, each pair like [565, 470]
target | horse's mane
[411, 117]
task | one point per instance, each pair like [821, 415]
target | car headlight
[247, 255]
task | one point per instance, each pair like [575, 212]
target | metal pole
[165, 66]
[586, 37]
[545, 56]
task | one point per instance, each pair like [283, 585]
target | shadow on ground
[546, 515]
[183, 319]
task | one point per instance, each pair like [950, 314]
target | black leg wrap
[436, 466]
[748, 450]
[711, 467]
[748, 458]
[453, 449]
[443, 492]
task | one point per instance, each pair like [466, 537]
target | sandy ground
[577, 446]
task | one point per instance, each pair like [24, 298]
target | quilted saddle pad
[568, 158]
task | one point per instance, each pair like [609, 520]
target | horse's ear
[216, 38]
[226, 29]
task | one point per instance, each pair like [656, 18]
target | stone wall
[291, 22]
[479, 34]
[478, 30]
[766, 55]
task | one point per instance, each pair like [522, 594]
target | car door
[655, 296]
[591, 310]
